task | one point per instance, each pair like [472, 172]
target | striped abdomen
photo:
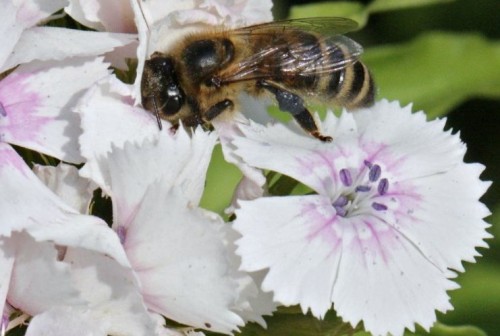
[322, 67]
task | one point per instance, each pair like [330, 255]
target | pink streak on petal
[322, 219]
[20, 106]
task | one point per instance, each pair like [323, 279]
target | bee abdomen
[351, 86]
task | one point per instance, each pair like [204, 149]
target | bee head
[160, 88]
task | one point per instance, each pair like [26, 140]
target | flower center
[365, 189]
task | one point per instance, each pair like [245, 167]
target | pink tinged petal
[32, 11]
[302, 269]
[176, 160]
[417, 147]
[27, 204]
[111, 291]
[181, 261]
[447, 224]
[280, 149]
[109, 119]
[112, 16]
[365, 267]
[39, 281]
[385, 281]
[62, 43]
[38, 106]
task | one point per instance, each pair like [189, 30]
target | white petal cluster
[162, 256]
[394, 214]
[109, 238]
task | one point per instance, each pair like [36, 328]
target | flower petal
[37, 106]
[316, 258]
[61, 43]
[66, 183]
[181, 261]
[7, 259]
[112, 16]
[397, 209]
[230, 14]
[278, 148]
[109, 119]
[27, 204]
[16, 17]
[10, 30]
[39, 281]
[112, 292]
[32, 12]
[228, 131]
[65, 320]
[177, 160]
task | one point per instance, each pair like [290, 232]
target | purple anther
[122, 234]
[368, 163]
[345, 177]
[383, 186]
[379, 206]
[342, 212]
[3, 111]
[375, 172]
[341, 201]
[363, 188]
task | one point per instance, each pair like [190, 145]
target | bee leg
[192, 120]
[216, 109]
[294, 105]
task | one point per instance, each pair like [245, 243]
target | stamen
[345, 177]
[375, 172]
[3, 111]
[342, 212]
[383, 186]
[379, 206]
[341, 201]
[363, 188]
[368, 164]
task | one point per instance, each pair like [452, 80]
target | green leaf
[437, 71]
[297, 324]
[222, 178]
[355, 10]
[386, 5]
[352, 10]
[478, 299]
[444, 330]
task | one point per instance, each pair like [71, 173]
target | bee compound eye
[174, 99]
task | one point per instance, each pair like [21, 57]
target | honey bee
[291, 59]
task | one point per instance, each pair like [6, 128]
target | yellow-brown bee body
[202, 77]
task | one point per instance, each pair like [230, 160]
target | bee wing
[326, 26]
[302, 58]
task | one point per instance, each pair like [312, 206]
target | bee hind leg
[293, 104]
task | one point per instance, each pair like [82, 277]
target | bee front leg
[294, 105]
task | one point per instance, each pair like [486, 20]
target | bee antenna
[157, 114]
